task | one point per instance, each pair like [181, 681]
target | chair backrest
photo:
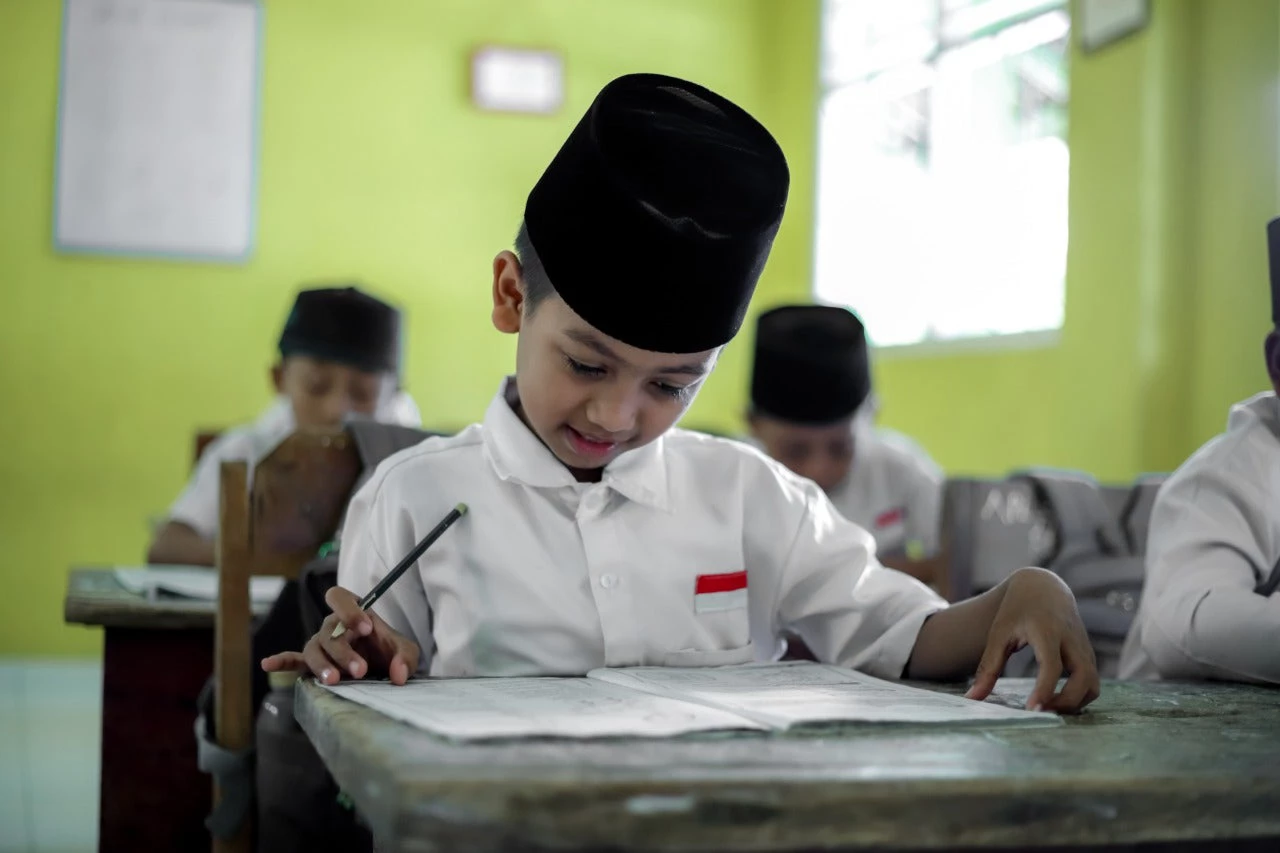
[272, 527]
[1117, 499]
[1135, 518]
[990, 529]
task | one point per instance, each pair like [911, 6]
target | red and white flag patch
[714, 593]
[890, 517]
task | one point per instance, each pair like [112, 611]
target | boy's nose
[613, 413]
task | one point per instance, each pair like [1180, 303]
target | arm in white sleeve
[197, 505]
[1202, 618]
[822, 580]
[374, 539]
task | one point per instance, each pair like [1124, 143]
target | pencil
[403, 566]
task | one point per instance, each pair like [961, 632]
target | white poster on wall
[157, 128]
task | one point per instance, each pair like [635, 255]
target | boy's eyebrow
[695, 369]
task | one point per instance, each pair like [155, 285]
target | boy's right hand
[368, 648]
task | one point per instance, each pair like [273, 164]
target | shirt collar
[518, 455]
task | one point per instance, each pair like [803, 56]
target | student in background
[810, 401]
[1210, 607]
[339, 358]
[598, 535]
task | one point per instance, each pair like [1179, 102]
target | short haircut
[537, 286]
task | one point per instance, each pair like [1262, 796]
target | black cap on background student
[345, 326]
[810, 364]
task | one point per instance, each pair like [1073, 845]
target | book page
[195, 582]
[493, 708]
[782, 695]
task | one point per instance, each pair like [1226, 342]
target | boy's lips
[585, 445]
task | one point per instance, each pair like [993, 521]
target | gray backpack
[1095, 556]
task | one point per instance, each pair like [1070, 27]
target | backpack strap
[1086, 528]
[316, 579]
[1270, 583]
[234, 773]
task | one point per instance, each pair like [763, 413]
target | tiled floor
[50, 731]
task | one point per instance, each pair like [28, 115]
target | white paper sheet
[157, 127]
[782, 695]
[195, 582]
[493, 708]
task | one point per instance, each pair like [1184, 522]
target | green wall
[373, 165]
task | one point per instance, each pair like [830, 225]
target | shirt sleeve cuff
[183, 515]
[888, 657]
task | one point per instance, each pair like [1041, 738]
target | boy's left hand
[1039, 610]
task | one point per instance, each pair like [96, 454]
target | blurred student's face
[324, 393]
[823, 454]
[589, 397]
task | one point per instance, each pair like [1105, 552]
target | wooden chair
[272, 528]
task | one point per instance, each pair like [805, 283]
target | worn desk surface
[1146, 763]
[95, 597]
[157, 654]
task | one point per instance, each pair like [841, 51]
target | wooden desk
[156, 657]
[1147, 763]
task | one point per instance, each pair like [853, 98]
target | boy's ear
[277, 376]
[508, 293]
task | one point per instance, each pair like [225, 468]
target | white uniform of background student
[197, 505]
[1209, 607]
[339, 359]
[1215, 536]
[810, 409]
[894, 490]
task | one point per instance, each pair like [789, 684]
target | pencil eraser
[461, 508]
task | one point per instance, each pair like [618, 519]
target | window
[942, 167]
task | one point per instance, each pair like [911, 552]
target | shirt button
[608, 581]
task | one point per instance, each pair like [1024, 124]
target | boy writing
[597, 534]
[339, 357]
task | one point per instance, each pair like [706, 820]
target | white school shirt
[197, 505]
[1214, 535]
[691, 551]
[894, 491]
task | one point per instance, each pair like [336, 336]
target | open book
[663, 701]
[195, 582]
